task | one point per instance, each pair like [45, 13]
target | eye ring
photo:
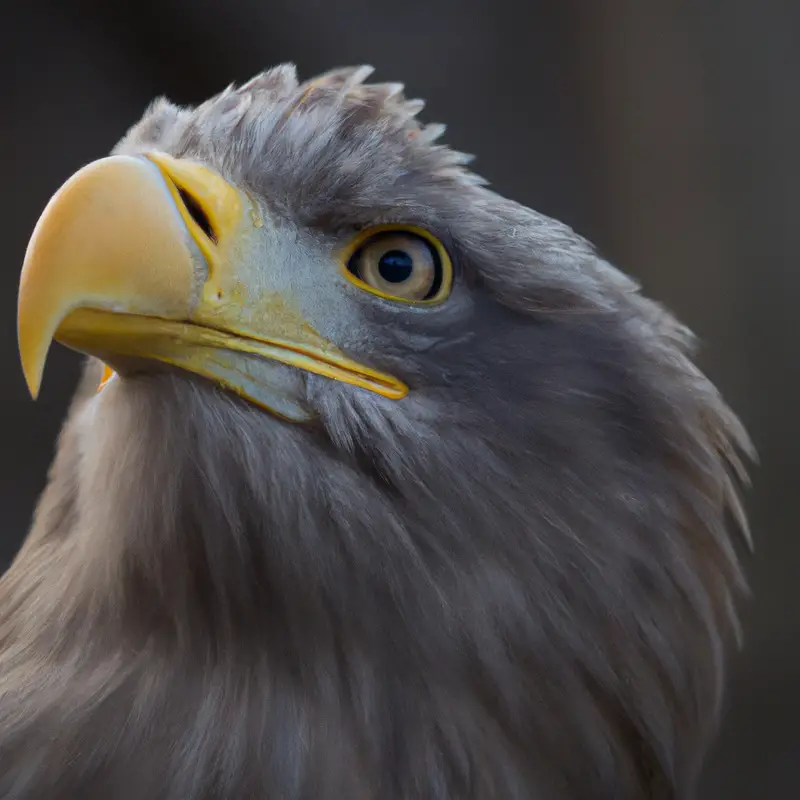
[402, 263]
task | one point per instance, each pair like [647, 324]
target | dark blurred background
[666, 132]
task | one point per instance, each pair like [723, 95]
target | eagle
[376, 485]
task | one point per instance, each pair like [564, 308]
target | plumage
[518, 581]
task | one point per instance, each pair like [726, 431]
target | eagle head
[376, 485]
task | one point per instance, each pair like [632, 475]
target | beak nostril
[197, 214]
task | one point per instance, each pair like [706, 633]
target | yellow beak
[140, 258]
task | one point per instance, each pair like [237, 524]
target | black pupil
[395, 266]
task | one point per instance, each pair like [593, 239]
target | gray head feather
[516, 583]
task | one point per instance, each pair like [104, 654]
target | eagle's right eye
[403, 263]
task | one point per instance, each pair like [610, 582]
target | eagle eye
[399, 262]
